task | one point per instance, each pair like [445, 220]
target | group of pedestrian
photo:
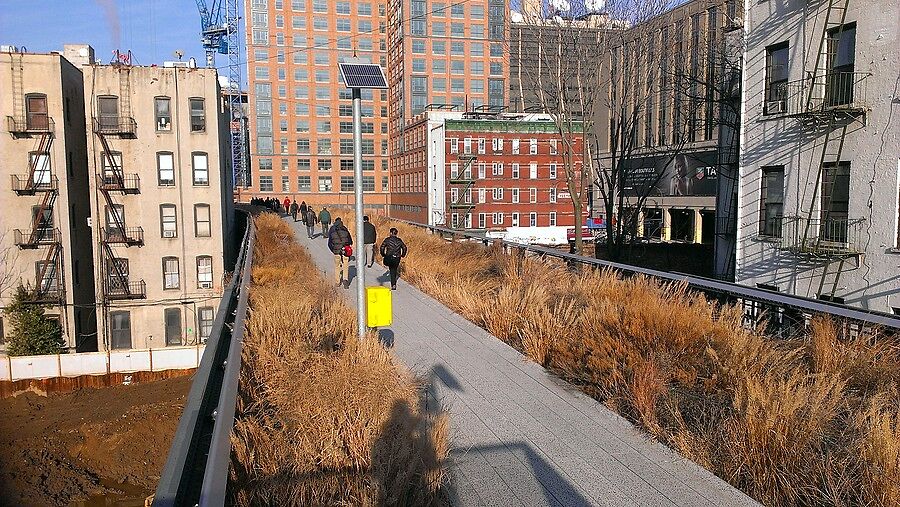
[271, 202]
[340, 243]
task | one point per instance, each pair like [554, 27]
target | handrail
[710, 286]
[196, 470]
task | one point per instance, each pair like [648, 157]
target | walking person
[369, 236]
[393, 249]
[311, 222]
[303, 209]
[287, 204]
[325, 220]
[294, 209]
[339, 242]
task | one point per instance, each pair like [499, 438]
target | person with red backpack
[339, 242]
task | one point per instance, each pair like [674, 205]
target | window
[482, 192]
[515, 146]
[841, 65]
[552, 195]
[552, 170]
[482, 220]
[532, 219]
[457, 10]
[368, 183]
[771, 201]
[553, 146]
[481, 170]
[325, 184]
[120, 330]
[265, 183]
[204, 272]
[418, 47]
[165, 169]
[552, 219]
[497, 194]
[532, 195]
[532, 147]
[198, 115]
[347, 183]
[324, 164]
[36, 116]
[515, 220]
[168, 221]
[200, 167]
[454, 145]
[776, 78]
[467, 146]
[304, 183]
[202, 221]
[171, 278]
[173, 326]
[481, 146]
[515, 171]
[533, 170]
[515, 195]
[835, 202]
[205, 317]
[161, 106]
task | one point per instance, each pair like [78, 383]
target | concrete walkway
[521, 436]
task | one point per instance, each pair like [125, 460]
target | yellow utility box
[378, 306]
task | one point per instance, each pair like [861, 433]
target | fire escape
[462, 182]
[34, 122]
[827, 102]
[114, 121]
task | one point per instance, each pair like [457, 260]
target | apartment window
[835, 202]
[36, 115]
[481, 146]
[532, 195]
[457, 67]
[202, 222]
[168, 221]
[532, 219]
[198, 115]
[200, 166]
[515, 195]
[454, 145]
[418, 47]
[173, 326]
[368, 183]
[303, 146]
[533, 146]
[842, 56]
[482, 220]
[165, 169]
[771, 199]
[482, 193]
[776, 78]
[467, 146]
[171, 278]
[515, 171]
[481, 170]
[457, 10]
[49, 281]
[497, 194]
[346, 183]
[161, 105]
[533, 170]
[553, 146]
[514, 219]
[265, 183]
[553, 170]
[120, 330]
[552, 219]
[204, 272]
[324, 164]
[496, 68]
[552, 195]
[325, 184]
[515, 146]
[205, 317]
[304, 183]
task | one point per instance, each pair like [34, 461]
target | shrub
[32, 333]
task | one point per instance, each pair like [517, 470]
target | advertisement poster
[685, 174]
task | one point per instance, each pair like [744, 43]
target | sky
[151, 29]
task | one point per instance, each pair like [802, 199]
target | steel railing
[129, 184]
[23, 125]
[124, 126]
[835, 91]
[131, 289]
[123, 236]
[196, 471]
[36, 237]
[23, 185]
[785, 314]
[820, 236]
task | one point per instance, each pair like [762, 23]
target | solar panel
[363, 75]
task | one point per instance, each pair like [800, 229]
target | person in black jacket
[393, 249]
[338, 238]
[369, 236]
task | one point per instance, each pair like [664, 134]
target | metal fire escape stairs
[464, 181]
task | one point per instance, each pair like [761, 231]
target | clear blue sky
[151, 29]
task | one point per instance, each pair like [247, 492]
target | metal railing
[129, 184]
[37, 237]
[832, 92]
[123, 126]
[196, 471]
[24, 126]
[125, 236]
[23, 185]
[820, 236]
[131, 289]
[785, 314]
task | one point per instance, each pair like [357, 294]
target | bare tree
[9, 277]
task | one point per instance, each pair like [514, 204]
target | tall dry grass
[323, 418]
[810, 420]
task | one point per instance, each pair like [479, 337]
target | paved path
[521, 436]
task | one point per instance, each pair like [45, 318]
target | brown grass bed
[809, 420]
[323, 418]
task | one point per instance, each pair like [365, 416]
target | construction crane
[219, 34]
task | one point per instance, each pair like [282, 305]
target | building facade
[501, 173]
[300, 124]
[160, 191]
[44, 233]
[819, 160]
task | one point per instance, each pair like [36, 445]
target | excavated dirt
[91, 447]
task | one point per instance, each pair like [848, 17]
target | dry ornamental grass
[806, 420]
[324, 419]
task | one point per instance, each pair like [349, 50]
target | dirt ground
[91, 447]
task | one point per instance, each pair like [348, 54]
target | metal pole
[358, 190]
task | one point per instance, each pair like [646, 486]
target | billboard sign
[685, 174]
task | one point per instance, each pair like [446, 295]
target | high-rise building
[45, 236]
[301, 126]
[445, 53]
[818, 192]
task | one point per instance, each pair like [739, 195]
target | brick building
[301, 127]
[501, 173]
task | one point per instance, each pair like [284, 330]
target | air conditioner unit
[168, 234]
[775, 107]
[206, 285]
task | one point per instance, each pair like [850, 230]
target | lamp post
[358, 74]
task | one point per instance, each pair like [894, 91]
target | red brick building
[480, 171]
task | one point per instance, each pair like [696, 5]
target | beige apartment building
[161, 206]
[44, 245]
[300, 122]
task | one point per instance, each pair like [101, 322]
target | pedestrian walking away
[294, 209]
[325, 220]
[339, 242]
[393, 249]
[311, 221]
[369, 236]
[303, 208]
[287, 204]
